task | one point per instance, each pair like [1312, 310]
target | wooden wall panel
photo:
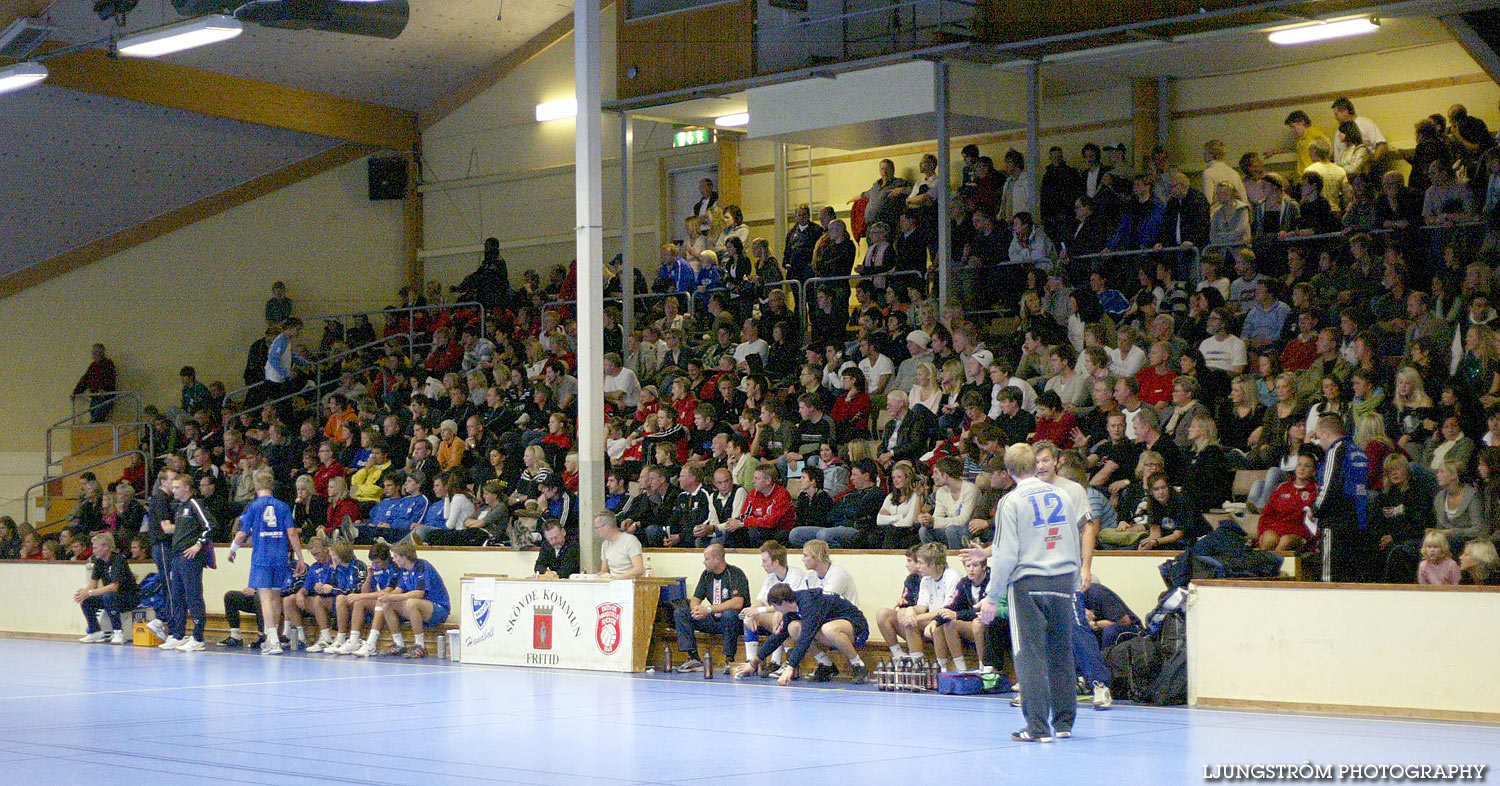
[693, 48]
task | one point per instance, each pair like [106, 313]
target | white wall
[1410, 650]
[18, 469]
[196, 297]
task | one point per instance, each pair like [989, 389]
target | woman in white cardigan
[897, 518]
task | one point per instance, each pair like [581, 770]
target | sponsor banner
[555, 624]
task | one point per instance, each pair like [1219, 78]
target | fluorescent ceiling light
[204, 30]
[21, 76]
[557, 110]
[1323, 31]
[733, 121]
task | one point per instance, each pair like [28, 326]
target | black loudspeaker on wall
[387, 178]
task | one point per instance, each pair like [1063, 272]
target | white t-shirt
[1028, 396]
[748, 348]
[1128, 364]
[1368, 130]
[836, 582]
[617, 555]
[876, 373]
[624, 382]
[1227, 354]
[794, 579]
[939, 592]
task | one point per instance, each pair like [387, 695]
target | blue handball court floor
[96, 714]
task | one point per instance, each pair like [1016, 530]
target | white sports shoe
[191, 645]
[271, 647]
[118, 637]
[317, 646]
[171, 643]
[97, 637]
[365, 650]
[159, 628]
[1103, 700]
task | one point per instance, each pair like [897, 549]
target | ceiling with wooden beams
[106, 145]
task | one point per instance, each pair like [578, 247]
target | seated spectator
[1456, 506]
[714, 607]
[768, 511]
[897, 519]
[953, 505]
[1399, 516]
[1283, 522]
[1478, 563]
[111, 589]
[851, 520]
[1107, 615]
[1438, 566]
[1170, 517]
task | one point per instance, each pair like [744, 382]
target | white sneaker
[365, 650]
[97, 637]
[159, 628]
[118, 637]
[338, 641]
[271, 647]
[317, 646]
[171, 643]
[1103, 700]
[191, 645]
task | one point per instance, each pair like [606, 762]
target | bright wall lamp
[20, 76]
[556, 110]
[1323, 31]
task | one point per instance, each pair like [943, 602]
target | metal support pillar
[944, 184]
[779, 165]
[1034, 127]
[589, 202]
[627, 230]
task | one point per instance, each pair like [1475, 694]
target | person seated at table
[760, 619]
[355, 608]
[713, 608]
[620, 555]
[885, 619]
[420, 597]
[315, 597]
[559, 557]
[111, 589]
[817, 621]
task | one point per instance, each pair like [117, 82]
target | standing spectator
[887, 196]
[800, 241]
[1018, 195]
[1343, 111]
[722, 591]
[1220, 173]
[98, 383]
[1062, 185]
[279, 306]
[1304, 134]
[1342, 496]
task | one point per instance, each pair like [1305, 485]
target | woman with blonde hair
[898, 515]
[1207, 478]
[1456, 507]
[342, 510]
[1241, 413]
[1369, 434]
[534, 471]
[926, 392]
[1413, 408]
[1478, 563]
[950, 408]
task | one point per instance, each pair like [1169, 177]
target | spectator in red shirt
[1155, 380]
[328, 468]
[98, 382]
[1301, 351]
[851, 411]
[1053, 423]
[768, 510]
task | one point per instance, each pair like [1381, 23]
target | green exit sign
[692, 136]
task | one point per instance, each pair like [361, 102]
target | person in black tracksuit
[160, 509]
[959, 620]
[192, 549]
[816, 621]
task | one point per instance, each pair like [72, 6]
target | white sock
[779, 655]
[419, 640]
[858, 661]
[960, 663]
[373, 639]
[325, 635]
[340, 639]
[751, 647]
[945, 664]
[397, 639]
[897, 652]
[822, 658]
[234, 633]
[286, 629]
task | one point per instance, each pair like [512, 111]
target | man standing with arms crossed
[1036, 560]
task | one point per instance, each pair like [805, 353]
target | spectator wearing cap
[917, 343]
[450, 451]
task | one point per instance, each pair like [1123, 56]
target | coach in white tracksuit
[1036, 558]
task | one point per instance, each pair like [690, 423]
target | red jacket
[769, 511]
[325, 473]
[1059, 432]
[1156, 387]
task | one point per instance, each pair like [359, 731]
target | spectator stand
[101, 448]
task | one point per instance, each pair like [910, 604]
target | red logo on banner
[541, 628]
[607, 632]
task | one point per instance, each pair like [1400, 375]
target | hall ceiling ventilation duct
[374, 18]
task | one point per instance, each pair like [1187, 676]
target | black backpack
[1170, 683]
[1133, 665]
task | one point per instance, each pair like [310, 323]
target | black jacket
[564, 561]
[1186, 220]
[857, 508]
[798, 251]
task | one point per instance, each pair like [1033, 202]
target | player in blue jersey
[348, 577]
[420, 597]
[354, 607]
[315, 598]
[267, 525]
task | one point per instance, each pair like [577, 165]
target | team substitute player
[267, 524]
[1035, 560]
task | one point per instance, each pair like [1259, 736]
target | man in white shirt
[620, 555]
[1000, 379]
[1223, 350]
[621, 386]
[1018, 195]
[759, 618]
[1128, 396]
[1343, 109]
[823, 574]
[876, 367]
[1127, 357]
[1218, 171]
[751, 342]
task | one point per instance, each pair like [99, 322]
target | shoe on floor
[317, 646]
[394, 651]
[728, 670]
[1015, 701]
[1103, 699]
[97, 637]
[1062, 735]
[232, 642]
[118, 637]
[350, 646]
[268, 647]
[191, 645]
[416, 653]
[860, 675]
[365, 650]
[1024, 735]
[690, 666]
[823, 673]
[171, 643]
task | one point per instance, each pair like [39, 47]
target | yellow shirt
[1304, 158]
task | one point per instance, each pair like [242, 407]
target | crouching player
[760, 619]
[420, 598]
[959, 619]
[358, 605]
[315, 597]
[817, 621]
[885, 619]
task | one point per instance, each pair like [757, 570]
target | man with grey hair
[620, 555]
[905, 437]
[1035, 562]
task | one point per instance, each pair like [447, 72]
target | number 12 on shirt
[1054, 516]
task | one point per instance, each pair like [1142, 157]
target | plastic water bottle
[708, 664]
[648, 567]
[442, 645]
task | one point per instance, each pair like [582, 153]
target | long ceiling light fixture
[21, 76]
[736, 120]
[177, 37]
[1323, 31]
[556, 110]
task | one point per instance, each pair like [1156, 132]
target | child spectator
[1437, 565]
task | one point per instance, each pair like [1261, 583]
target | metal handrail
[26, 495]
[72, 421]
[809, 283]
[321, 364]
[114, 438]
[117, 395]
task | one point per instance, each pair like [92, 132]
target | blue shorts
[270, 576]
[861, 631]
[439, 615]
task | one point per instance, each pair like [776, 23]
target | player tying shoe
[817, 621]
